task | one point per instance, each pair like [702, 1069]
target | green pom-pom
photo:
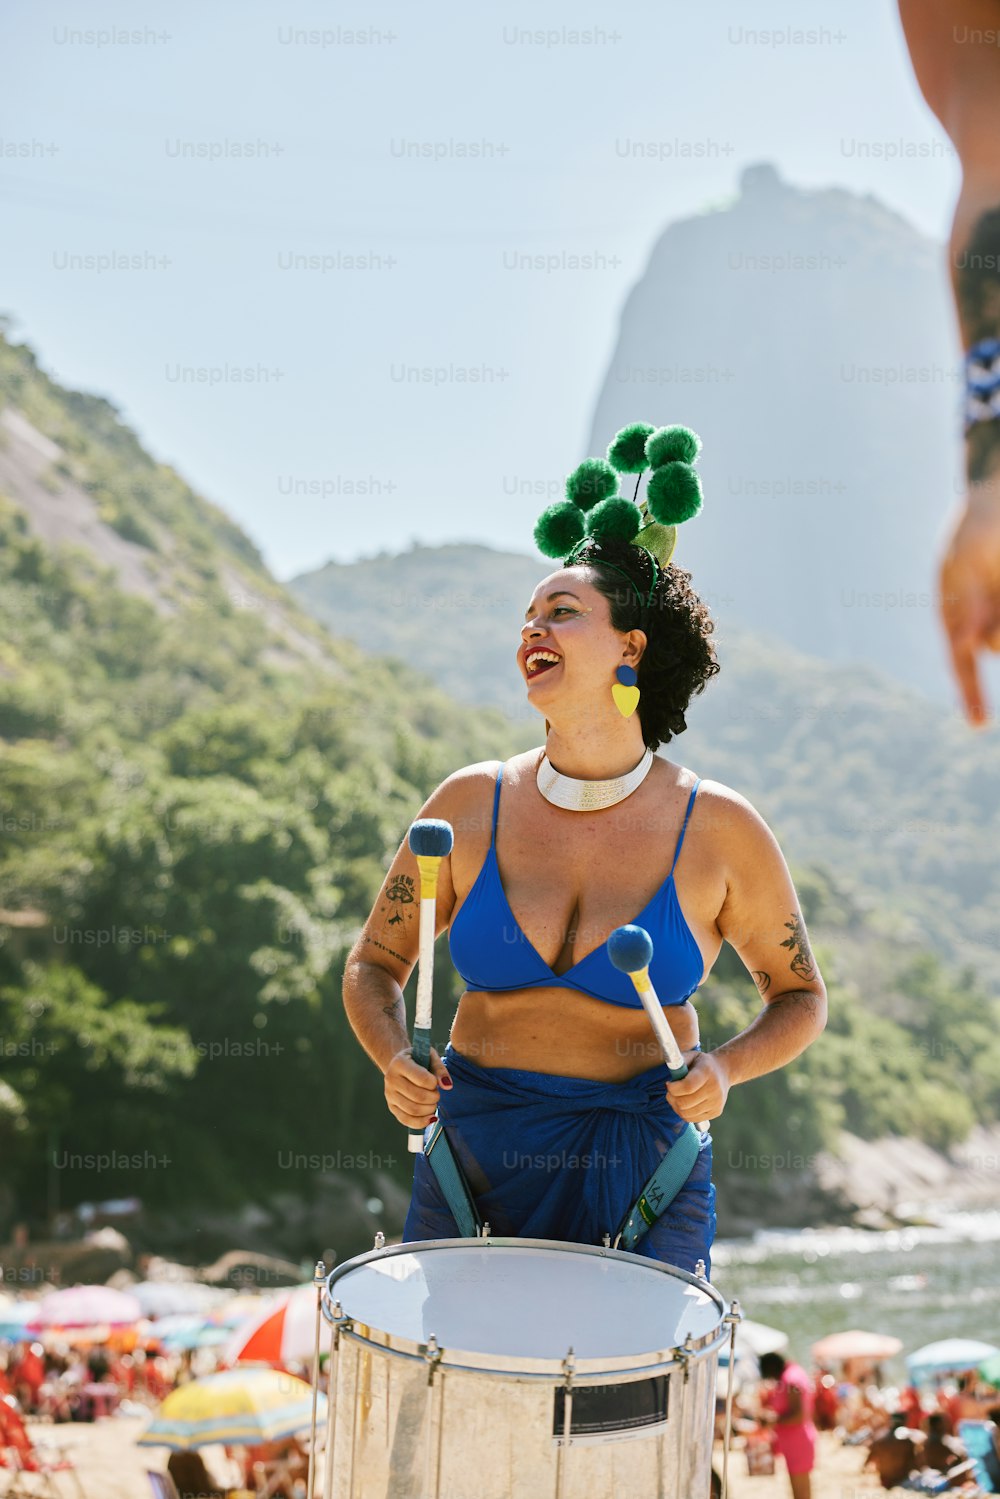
[673, 493]
[672, 445]
[559, 528]
[594, 480]
[616, 517]
[628, 451]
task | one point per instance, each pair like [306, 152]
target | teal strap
[451, 1180]
[661, 1189]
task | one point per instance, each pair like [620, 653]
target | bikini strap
[687, 814]
[496, 803]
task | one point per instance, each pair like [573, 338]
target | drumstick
[630, 949]
[431, 840]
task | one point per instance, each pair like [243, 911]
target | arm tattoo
[802, 960]
[392, 1010]
[804, 999]
[762, 980]
[400, 892]
[399, 895]
[977, 292]
[376, 943]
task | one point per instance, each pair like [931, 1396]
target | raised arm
[383, 957]
[953, 48]
[761, 918]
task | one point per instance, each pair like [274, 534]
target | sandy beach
[111, 1466]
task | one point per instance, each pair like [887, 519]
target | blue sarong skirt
[551, 1157]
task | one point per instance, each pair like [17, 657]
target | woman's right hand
[411, 1091]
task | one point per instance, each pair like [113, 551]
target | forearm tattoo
[802, 959]
[977, 292]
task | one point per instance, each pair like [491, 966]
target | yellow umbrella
[240, 1407]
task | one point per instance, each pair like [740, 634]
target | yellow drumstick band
[428, 865]
[640, 979]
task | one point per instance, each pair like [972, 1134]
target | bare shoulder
[461, 795]
[731, 821]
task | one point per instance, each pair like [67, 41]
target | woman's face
[568, 619]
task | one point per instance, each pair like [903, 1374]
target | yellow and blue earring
[625, 692]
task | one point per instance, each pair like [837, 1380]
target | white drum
[502, 1368]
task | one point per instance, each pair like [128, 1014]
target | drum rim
[606, 1369]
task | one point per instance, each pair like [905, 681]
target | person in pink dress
[788, 1409]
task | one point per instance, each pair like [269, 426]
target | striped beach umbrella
[282, 1333]
[240, 1407]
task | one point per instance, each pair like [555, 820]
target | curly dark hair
[679, 658]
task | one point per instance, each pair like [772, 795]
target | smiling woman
[552, 1090]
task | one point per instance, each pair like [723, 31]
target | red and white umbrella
[282, 1333]
[86, 1306]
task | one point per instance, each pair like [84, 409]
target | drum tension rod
[731, 1319]
[433, 1354]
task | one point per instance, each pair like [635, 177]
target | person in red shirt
[912, 1407]
[788, 1409]
[825, 1402]
[28, 1375]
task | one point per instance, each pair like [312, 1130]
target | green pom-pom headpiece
[628, 451]
[594, 510]
[673, 493]
[672, 445]
[559, 528]
[617, 517]
[592, 481]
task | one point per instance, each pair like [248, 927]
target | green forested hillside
[199, 798]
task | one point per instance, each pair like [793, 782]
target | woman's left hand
[703, 1093]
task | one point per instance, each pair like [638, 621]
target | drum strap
[661, 1189]
[451, 1180]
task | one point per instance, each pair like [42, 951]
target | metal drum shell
[482, 1426]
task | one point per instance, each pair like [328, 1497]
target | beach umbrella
[950, 1356]
[240, 1407]
[238, 1309]
[282, 1333]
[752, 1339]
[855, 1344]
[167, 1298]
[176, 1334]
[14, 1319]
[989, 1369]
[86, 1306]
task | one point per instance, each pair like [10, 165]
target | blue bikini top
[491, 952]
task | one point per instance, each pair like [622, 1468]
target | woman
[551, 1090]
[788, 1408]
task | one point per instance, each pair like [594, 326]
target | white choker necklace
[589, 796]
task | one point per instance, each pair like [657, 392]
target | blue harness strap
[661, 1189]
[451, 1180]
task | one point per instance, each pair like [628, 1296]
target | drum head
[527, 1298]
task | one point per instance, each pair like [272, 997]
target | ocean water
[920, 1284]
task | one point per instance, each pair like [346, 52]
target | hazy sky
[238, 156]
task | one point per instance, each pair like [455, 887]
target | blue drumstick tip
[431, 835]
[630, 948]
